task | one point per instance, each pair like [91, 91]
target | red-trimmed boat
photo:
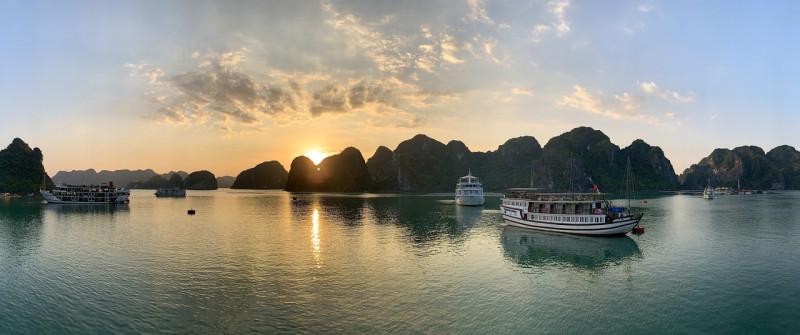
[573, 213]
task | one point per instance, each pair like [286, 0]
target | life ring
[597, 211]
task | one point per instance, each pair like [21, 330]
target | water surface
[258, 261]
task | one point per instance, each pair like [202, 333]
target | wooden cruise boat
[574, 213]
[86, 194]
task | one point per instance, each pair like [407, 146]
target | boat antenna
[571, 172]
[533, 173]
[628, 182]
[591, 182]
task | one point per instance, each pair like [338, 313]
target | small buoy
[638, 230]
[191, 212]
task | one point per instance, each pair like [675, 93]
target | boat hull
[53, 199]
[618, 226]
[470, 201]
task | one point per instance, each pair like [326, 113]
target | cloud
[451, 47]
[653, 89]
[439, 49]
[220, 95]
[371, 68]
[645, 8]
[558, 8]
[625, 106]
[330, 99]
[431, 49]
[144, 71]
[538, 31]
[218, 91]
[387, 52]
[521, 91]
[635, 19]
[504, 27]
[628, 106]
[489, 47]
[477, 12]
[628, 102]
[560, 26]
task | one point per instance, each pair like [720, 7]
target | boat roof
[544, 191]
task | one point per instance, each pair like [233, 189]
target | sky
[225, 85]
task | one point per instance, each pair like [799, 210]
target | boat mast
[628, 177]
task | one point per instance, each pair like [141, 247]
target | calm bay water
[330, 263]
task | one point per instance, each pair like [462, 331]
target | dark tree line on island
[21, 169]
[575, 160]
[198, 180]
[143, 179]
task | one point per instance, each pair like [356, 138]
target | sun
[315, 156]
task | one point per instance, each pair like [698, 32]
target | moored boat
[173, 192]
[573, 213]
[708, 192]
[469, 191]
[86, 194]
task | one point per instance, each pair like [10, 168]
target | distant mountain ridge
[583, 157]
[566, 162]
[747, 167]
[134, 179]
[344, 172]
[575, 160]
[423, 164]
[119, 177]
[267, 175]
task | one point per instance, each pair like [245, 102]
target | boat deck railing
[579, 212]
[558, 197]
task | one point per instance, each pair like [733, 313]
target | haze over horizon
[224, 86]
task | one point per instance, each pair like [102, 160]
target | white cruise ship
[86, 194]
[573, 213]
[469, 191]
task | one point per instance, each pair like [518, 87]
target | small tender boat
[469, 191]
[174, 192]
[86, 194]
[574, 213]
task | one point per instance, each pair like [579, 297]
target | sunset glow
[315, 156]
[225, 90]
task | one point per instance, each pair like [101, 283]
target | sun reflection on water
[315, 236]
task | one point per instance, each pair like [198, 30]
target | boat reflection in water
[468, 217]
[87, 208]
[531, 248]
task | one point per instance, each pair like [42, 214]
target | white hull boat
[573, 213]
[86, 194]
[469, 191]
